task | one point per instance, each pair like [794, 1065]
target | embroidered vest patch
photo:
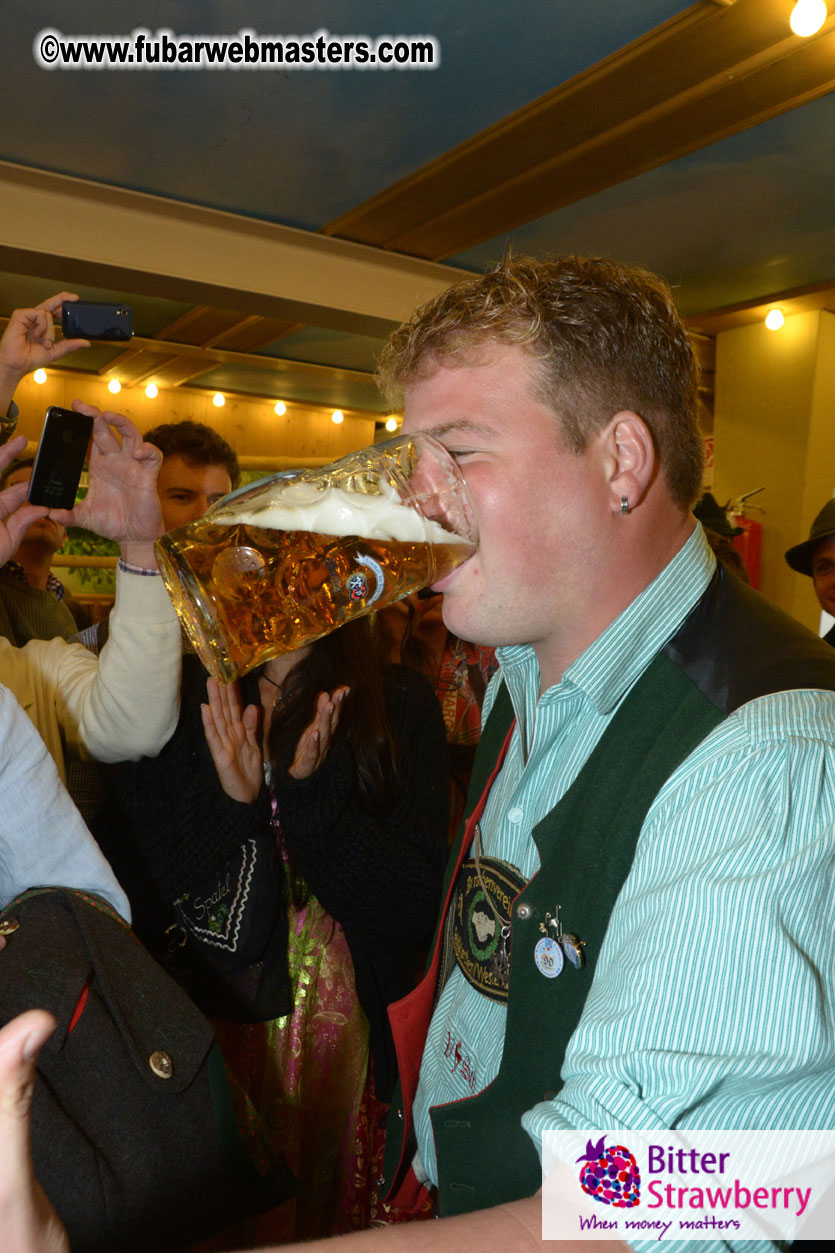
[481, 924]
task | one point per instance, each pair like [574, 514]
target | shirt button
[524, 911]
[515, 815]
[161, 1064]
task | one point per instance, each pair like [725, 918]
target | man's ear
[633, 460]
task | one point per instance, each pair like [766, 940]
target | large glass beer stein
[284, 561]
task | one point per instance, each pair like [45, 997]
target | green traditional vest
[586, 846]
[732, 648]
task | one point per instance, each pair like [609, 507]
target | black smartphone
[60, 458]
[90, 319]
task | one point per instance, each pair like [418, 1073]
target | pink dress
[305, 1074]
[309, 1078]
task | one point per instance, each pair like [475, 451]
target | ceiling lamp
[218, 400]
[391, 424]
[774, 319]
[280, 408]
[39, 376]
[808, 16]
[152, 391]
[114, 387]
[337, 416]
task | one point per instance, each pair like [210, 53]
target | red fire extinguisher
[750, 540]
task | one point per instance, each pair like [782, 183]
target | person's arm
[713, 1001]
[173, 803]
[28, 343]
[124, 705]
[43, 839]
[513, 1226]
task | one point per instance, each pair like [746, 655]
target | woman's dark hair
[349, 656]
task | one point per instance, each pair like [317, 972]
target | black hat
[711, 514]
[800, 557]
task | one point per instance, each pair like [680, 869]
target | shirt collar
[620, 654]
[16, 571]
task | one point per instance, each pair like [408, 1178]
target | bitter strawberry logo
[610, 1175]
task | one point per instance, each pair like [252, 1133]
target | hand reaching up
[234, 740]
[122, 502]
[29, 342]
[315, 739]
[16, 514]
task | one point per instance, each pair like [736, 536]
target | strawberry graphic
[610, 1175]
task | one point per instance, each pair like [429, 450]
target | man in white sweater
[120, 705]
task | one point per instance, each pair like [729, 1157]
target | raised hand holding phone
[60, 458]
[122, 502]
[90, 319]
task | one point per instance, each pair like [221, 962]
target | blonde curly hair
[606, 338]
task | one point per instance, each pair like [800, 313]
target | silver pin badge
[550, 953]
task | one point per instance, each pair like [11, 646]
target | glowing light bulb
[39, 376]
[337, 416]
[152, 391]
[774, 319]
[280, 408]
[114, 387]
[391, 424]
[808, 16]
[218, 400]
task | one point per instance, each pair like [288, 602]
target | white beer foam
[304, 507]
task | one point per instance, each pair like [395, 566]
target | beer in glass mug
[285, 560]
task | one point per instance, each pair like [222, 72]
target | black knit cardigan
[167, 824]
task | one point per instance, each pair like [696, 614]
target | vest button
[524, 911]
[161, 1064]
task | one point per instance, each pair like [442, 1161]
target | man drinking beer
[652, 806]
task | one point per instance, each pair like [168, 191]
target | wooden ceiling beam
[628, 152]
[705, 74]
[223, 356]
[253, 333]
[139, 364]
[203, 256]
[206, 358]
[207, 327]
[199, 324]
[174, 371]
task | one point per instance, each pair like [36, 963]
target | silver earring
[624, 504]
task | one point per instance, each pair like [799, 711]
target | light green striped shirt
[713, 1001]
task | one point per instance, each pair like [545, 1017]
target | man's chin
[44, 534]
[460, 623]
